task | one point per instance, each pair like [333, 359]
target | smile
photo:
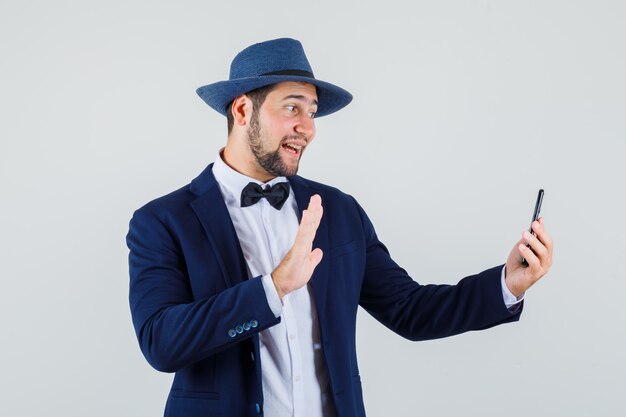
[293, 149]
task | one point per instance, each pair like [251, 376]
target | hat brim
[330, 98]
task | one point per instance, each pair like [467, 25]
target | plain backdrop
[462, 110]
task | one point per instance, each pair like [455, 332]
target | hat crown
[268, 57]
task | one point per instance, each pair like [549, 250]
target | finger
[308, 227]
[303, 241]
[538, 248]
[314, 258]
[315, 200]
[316, 215]
[546, 240]
[544, 237]
[533, 262]
[315, 203]
[315, 207]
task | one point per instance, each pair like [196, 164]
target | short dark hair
[256, 96]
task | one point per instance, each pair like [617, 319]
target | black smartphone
[535, 217]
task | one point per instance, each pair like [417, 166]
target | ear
[241, 110]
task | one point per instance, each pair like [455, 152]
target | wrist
[515, 289]
[279, 289]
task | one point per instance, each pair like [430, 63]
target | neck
[242, 160]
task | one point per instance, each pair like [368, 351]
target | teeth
[291, 145]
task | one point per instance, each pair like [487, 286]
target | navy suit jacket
[189, 287]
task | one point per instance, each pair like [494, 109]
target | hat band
[291, 72]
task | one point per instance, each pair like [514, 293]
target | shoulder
[179, 201]
[332, 194]
[171, 202]
[336, 203]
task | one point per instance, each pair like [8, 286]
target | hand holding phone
[535, 217]
[520, 276]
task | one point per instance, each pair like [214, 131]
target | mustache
[294, 137]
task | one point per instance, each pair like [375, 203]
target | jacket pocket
[179, 393]
[194, 404]
[343, 249]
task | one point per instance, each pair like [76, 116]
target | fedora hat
[272, 62]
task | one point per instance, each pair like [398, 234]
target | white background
[462, 110]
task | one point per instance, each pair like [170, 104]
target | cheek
[275, 128]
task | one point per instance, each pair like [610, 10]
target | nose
[305, 126]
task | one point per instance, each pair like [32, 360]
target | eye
[312, 114]
[290, 108]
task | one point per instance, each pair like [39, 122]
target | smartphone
[535, 217]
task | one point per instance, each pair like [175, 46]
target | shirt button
[297, 378]
[292, 336]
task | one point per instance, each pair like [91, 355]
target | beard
[269, 160]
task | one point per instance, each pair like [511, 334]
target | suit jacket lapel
[218, 226]
[319, 281]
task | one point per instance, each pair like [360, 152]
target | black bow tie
[276, 195]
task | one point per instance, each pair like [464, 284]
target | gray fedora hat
[268, 63]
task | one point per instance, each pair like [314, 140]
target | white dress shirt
[295, 378]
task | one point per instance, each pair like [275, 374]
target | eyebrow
[299, 97]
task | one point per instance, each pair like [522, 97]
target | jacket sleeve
[421, 312]
[173, 329]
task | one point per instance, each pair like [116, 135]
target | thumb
[315, 257]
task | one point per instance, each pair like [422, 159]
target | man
[246, 282]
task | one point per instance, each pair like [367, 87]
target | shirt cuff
[510, 301]
[272, 295]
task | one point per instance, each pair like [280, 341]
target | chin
[289, 168]
[290, 172]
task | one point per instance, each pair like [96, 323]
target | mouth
[293, 149]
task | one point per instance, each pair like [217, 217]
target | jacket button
[246, 326]
[258, 408]
[254, 323]
[232, 333]
[239, 329]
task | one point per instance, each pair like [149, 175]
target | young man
[246, 282]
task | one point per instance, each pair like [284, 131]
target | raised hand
[518, 277]
[297, 267]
